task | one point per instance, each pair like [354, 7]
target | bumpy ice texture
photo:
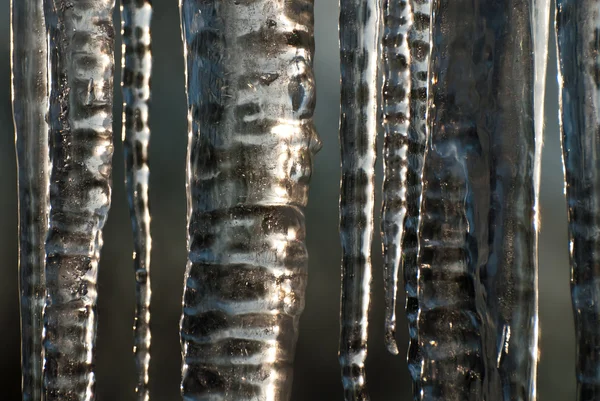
[81, 47]
[251, 97]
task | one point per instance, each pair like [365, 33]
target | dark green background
[317, 374]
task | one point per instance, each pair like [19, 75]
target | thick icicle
[30, 105]
[81, 74]
[251, 98]
[137, 68]
[359, 52]
[477, 324]
[578, 39]
[406, 61]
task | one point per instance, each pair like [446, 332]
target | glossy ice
[81, 38]
[137, 68]
[477, 287]
[359, 53]
[578, 38]
[251, 97]
[30, 105]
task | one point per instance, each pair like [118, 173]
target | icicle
[251, 98]
[396, 117]
[406, 59]
[137, 68]
[81, 74]
[359, 52]
[477, 324]
[578, 39]
[30, 104]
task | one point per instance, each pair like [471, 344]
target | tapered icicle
[30, 105]
[359, 52]
[578, 39]
[406, 61]
[81, 37]
[478, 324]
[251, 98]
[396, 121]
[137, 68]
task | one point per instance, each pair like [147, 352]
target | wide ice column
[578, 39]
[81, 38]
[251, 97]
[477, 288]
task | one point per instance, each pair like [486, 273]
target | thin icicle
[396, 121]
[30, 105]
[406, 61]
[359, 52]
[136, 16]
[251, 98]
[81, 75]
[578, 39]
[418, 38]
[477, 324]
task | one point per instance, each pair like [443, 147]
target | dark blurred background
[317, 375]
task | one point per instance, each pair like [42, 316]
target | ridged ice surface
[81, 73]
[30, 105]
[406, 61]
[359, 52]
[136, 16]
[251, 98]
[578, 34]
[477, 287]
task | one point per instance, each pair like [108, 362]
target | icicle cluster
[63, 72]
[137, 68]
[466, 240]
[251, 98]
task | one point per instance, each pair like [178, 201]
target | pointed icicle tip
[390, 338]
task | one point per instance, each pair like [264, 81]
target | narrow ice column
[29, 58]
[359, 53]
[137, 69]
